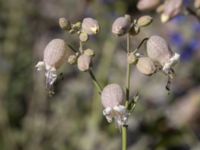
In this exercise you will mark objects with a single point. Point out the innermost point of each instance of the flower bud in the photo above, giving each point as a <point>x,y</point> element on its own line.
<point>121,26</point>
<point>197,4</point>
<point>83,37</point>
<point>144,21</point>
<point>55,53</point>
<point>64,24</point>
<point>146,5</point>
<point>112,95</point>
<point>72,59</point>
<point>90,26</point>
<point>146,66</point>
<point>84,62</point>
<point>131,58</point>
<point>89,52</point>
<point>171,9</point>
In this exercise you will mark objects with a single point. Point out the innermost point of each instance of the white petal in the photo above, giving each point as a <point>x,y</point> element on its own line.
<point>40,65</point>
<point>51,76</point>
<point>119,113</point>
<point>120,108</point>
<point>107,111</point>
<point>173,60</point>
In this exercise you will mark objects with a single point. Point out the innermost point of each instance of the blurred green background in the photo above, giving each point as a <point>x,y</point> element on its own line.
<point>72,119</point>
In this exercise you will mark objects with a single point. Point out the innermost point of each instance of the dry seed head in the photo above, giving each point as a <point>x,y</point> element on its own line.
<point>90,26</point>
<point>146,66</point>
<point>55,53</point>
<point>84,62</point>
<point>64,24</point>
<point>121,26</point>
<point>146,5</point>
<point>158,49</point>
<point>171,9</point>
<point>144,21</point>
<point>112,95</point>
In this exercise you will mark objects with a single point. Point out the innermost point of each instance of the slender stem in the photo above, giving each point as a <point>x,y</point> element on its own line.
<point>124,138</point>
<point>81,47</point>
<point>124,128</point>
<point>193,13</point>
<point>73,49</point>
<point>96,83</point>
<point>128,71</point>
<point>141,43</point>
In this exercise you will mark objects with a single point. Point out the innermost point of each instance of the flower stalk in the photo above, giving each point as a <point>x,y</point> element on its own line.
<point>128,78</point>
<point>95,81</point>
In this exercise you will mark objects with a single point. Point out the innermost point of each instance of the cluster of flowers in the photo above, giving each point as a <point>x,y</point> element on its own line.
<point>167,8</point>
<point>159,57</point>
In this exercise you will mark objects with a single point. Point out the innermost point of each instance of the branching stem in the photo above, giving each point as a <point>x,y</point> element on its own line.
<point>95,81</point>
<point>128,72</point>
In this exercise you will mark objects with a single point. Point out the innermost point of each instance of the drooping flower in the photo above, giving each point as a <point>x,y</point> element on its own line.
<point>54,57</point>
<point>159,51</point>
<point>112,98</point>
<point>90,26</point>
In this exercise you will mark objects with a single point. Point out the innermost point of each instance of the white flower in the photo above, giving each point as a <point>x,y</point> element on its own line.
<point>171,62</point>
<point>54,57</point>
<point>159,51</point>
<point>118,113</point>
<point>112,98</point>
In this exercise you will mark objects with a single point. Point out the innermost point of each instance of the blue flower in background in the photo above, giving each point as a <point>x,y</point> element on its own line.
<point>177,39</point>
<point>186,2</point>
<point>189,50</point>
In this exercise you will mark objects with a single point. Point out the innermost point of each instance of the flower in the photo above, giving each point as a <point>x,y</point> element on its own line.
<point>54,57</point>
<point>145,5</point>
<point>121,25</point>
<point>159,51</point>
<point>171,9</point>
<point>90,26</point>
<point>112,98</point>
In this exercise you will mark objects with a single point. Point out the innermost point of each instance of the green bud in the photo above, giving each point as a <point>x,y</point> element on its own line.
<point>72,59</point>
<point>131,58</point>
<point>64,24</point>
<point>89,52</point>
<point>144,21</point>
<point>83,37</point>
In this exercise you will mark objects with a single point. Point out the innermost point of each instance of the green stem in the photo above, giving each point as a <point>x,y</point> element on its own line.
<point>73,49</point>
<point>141,43</point>
<point>124,128</point>
<point>95,81</point>
<point>124,138</point>
<point>81,47</point>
